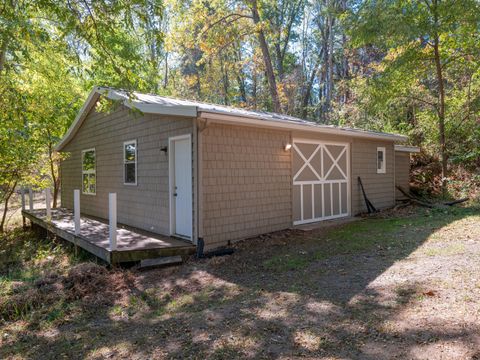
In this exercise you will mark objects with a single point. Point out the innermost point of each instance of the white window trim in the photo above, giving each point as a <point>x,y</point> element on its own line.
<point>383,169</point>
<point>131,162</point>
<point>94,171</point>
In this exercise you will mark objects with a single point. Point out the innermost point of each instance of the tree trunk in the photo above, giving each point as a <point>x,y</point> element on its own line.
<point>329,94</point>
<point>345,65</point>
<point>308,90</point>
<point>225,80</point>
<point>3,52</point>
<point>56,188</point>
<point>165,75</point>
<point>267,59</point>
<point>53,172</point>
<point>5,206</point>
<point>441,105</point>
<point>279,60</point>
<point>241,87</point>
<point>254,89</point>
<point>240,75</point>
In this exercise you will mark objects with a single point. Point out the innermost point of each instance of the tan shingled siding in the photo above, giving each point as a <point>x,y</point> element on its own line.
<point>246,175</point>
<point>402,172</point>
<point>247,180</point>
<point>146,205</point>
<point>379,187</point>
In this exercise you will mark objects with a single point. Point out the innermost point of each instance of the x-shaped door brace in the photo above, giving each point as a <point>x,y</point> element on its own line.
<point>307,161</point>
<point>335,162</point>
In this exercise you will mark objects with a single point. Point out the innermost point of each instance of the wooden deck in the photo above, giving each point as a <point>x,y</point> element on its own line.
<point>132,244</point>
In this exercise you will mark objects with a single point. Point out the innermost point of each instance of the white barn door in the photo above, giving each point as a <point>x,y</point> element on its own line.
<point>321,180</point>
<point>181,186</point>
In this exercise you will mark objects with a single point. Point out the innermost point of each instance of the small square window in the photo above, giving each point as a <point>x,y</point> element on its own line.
<point>381,162</point>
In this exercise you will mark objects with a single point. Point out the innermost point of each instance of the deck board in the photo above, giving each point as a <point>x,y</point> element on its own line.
<point>132,244</point>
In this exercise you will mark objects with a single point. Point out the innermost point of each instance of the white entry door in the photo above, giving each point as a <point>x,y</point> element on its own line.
<point>181,186</point>
<point>321,180</point>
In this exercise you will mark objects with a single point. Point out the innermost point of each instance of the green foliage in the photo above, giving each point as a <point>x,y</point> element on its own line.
<point>403,91</point>
<point>367,64</point>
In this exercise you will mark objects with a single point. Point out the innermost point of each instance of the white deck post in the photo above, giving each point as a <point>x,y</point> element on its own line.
<point>30,199</point>
<point>48,203</point>
<point>112,215</point>
<point>76,210</point>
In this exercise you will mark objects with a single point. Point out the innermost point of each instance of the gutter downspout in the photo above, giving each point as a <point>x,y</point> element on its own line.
<point>195,183</point>
<point>394,176</point>
<point>199,126</point>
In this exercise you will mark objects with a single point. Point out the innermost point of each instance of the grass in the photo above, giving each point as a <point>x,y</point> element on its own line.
<point>25,259</point>
<point>259,298</point>
<point>362,235</point>
<point>449,250</point>
<point>287,262</point>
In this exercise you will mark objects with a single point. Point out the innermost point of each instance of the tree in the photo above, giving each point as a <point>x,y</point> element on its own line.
<point>423,42</point>
<point>17,150</point>
<point>266,57</point>
<point>51,52</point>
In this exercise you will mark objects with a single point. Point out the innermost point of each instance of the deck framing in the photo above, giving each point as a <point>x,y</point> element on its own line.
<point>104,253</point>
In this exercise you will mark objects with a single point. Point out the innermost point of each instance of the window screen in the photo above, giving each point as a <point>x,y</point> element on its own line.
<point>89,176</point>
<point>130,162</point>
<point>381,169</point>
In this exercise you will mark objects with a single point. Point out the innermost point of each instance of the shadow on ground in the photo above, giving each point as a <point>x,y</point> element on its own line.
<point>368,290</point>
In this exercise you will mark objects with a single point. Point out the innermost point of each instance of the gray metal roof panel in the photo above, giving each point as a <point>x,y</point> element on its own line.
<point>153,99</point>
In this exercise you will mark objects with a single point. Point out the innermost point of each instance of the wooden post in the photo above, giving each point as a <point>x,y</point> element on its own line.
<point>22,191</point>
<point>76,210</point>
<point>48,206</point>
<point>30,199</point>
<point>112,215</point>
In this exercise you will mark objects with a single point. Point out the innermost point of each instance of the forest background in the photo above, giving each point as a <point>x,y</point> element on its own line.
<point>409,67</point>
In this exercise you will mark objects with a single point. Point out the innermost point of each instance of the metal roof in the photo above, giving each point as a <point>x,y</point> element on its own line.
<point>407,148</point>
<point>155,104</point>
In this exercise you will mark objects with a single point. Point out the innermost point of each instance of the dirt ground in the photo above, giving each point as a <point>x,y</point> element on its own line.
<point>403,285</point>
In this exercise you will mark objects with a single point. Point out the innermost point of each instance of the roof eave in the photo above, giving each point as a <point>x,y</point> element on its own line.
<point>160,109</point>
<point>172,110</point>
<point>258,121</point>
<point>407,148</point>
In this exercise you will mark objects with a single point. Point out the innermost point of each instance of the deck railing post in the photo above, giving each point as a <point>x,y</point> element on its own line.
<point>112,215</point>
<point>48,204</point>
<point>30,199</point>
<point>76,210</point>
<point>22,192</point>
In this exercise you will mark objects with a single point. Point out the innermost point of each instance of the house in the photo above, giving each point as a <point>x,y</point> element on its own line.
<point>200,171</point>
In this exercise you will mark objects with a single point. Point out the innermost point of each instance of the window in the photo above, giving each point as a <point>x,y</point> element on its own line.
<point>130,162</point>
<point>89,177</point>
<point>381,168</point>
